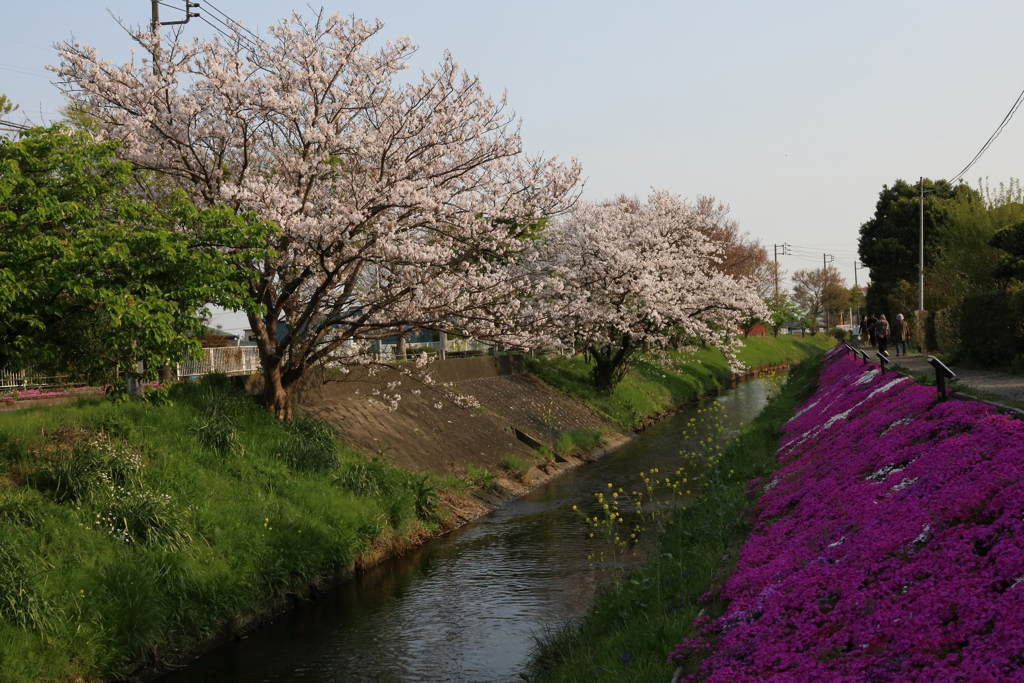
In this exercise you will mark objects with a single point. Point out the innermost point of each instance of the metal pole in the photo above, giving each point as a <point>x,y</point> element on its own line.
<point>776,271</point>
<point>920,256</point>
<point>155,24</point>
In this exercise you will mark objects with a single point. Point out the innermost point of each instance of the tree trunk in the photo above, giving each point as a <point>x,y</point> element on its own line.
<point>400,350</point>
<point>276,398</point>
<point>610,364</point>
<point>604,375</point>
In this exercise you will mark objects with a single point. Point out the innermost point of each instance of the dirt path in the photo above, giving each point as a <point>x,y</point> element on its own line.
<point>999,383</point>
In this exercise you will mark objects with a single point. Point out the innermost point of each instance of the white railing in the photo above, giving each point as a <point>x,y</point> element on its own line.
<point>438,348</point>
<point>228,360</point>
<point>29,379</point>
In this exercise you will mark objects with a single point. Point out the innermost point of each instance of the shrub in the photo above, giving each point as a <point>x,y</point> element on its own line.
<point>838,334</point>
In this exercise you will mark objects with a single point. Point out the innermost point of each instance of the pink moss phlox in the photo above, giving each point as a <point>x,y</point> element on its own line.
<point>888,547</point>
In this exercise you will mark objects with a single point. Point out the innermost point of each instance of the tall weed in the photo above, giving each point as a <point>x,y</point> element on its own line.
<point>311,445</point>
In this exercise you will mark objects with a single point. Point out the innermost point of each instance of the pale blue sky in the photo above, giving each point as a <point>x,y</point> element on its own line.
<point>794,113</point>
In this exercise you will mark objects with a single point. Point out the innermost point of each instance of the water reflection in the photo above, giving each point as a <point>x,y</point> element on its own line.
<point>465,607</point>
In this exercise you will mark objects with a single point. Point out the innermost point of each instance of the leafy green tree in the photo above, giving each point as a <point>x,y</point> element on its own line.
<point>92,279</point>
<point>889,241</point>
<point>1010,242</point>
<point>780,311</point>
<point>6,106</point>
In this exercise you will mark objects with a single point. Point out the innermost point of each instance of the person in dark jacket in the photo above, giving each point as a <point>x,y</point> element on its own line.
<point>872,323</point>
<point>882,335</point>
<point>900,333</point>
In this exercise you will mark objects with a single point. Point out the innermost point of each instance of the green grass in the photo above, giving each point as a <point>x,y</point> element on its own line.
<point>514,465</point>
<point>651,387</point>
<point>638,619</point>
<point>129,532</point>
<point>480,476</point>
<point>576,441</point>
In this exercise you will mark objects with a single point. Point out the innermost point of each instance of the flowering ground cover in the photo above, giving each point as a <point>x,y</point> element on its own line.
<point>889,546</point>
<point>23,394</point>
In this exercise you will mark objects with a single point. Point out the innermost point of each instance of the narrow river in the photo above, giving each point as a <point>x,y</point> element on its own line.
<point>465,607</point>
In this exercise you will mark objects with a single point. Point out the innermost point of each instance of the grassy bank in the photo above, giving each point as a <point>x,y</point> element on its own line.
<point>638,618</point>
<point>653,387</point>
<point>130,531</point>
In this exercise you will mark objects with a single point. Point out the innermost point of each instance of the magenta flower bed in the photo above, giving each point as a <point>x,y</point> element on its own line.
<point>888,547</point>
<point>23,394</point>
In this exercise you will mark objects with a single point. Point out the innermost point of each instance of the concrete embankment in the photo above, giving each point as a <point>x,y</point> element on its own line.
<point>429,433</point>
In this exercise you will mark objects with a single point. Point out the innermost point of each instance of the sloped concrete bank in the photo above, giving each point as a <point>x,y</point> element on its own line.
<point>517,413</point>
<point>426,432</point>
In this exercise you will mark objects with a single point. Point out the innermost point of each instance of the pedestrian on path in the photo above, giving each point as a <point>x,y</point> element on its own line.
<point>882,335</point>
<point>864,330</point>
<point>872,324</point>
<point>900,333</point>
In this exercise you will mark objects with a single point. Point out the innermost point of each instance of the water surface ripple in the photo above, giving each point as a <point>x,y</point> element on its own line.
<point>465,607</point>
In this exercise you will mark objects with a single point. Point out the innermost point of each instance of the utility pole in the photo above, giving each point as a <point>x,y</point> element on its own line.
<point>156,23</point>
<point>920,254</point>
<point>785,252</point>
<point>825,260</point>
<point>857,287</point>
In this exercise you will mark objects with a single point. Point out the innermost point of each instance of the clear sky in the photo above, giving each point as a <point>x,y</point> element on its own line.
<point>794,113</point>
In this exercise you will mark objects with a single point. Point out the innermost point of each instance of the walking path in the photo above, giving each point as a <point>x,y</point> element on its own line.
<point>1000,383</point>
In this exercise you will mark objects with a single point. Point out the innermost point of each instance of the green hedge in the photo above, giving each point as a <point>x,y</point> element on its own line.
<point>992,328</point>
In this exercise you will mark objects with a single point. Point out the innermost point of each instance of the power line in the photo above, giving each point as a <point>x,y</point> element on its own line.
<point>988,143</point>
<point>11,125</point>
<point>230,34</point>
<point>25,68</point>
<point>23,73</point>
<point>47,49</point>
<point>236,23</point>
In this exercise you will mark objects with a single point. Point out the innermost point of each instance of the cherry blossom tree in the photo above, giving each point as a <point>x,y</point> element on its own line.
<point>627,275</point>
<point>400,203</point>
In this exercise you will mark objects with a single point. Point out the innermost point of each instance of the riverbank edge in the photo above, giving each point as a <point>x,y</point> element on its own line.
<point>572,653</point>
<point>478,502</point>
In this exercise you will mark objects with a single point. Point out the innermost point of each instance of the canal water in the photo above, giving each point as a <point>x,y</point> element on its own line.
<point>465,607</point>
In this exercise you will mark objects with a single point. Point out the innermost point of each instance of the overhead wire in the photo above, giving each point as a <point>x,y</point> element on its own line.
<point>224,14</point>
<point>37,47</point>
<point>991,139</point>
<point>19,70</point>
